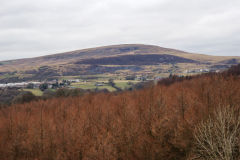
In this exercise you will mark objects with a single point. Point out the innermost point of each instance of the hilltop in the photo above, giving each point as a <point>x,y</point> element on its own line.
<point>120,60</point>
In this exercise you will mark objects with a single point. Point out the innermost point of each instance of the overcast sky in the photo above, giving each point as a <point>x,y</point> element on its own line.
<point>30,28</point>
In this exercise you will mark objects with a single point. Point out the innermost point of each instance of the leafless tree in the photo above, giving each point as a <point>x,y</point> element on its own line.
<point>218,137</point>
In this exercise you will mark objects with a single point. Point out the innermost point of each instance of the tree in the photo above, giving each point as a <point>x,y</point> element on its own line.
<point>43,86</point>
<point>48,94</point>
<point>24,97</point>
<point>130,77</point>
<point>62,92</point>
<point>218,137</point>
<point>30,86</point>
<point>111,82</point>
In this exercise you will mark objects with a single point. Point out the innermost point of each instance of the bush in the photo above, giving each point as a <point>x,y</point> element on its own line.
<point>111,82</point>
<point>24,97</point>
<point>7,95</point>
<point>48,94</point>
<point>130,77</point>
<point>43,86</point>
<point>63,92</point>
<point>30,86</point>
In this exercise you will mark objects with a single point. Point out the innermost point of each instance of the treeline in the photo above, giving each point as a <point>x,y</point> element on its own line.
<point>9,96</point>
<point>14,95</point>
<point>169,122</point>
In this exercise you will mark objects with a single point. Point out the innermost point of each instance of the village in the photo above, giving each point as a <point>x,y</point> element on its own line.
<point>110,83</point>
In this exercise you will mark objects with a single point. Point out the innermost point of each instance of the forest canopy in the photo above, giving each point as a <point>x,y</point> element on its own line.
<point>156,122</point>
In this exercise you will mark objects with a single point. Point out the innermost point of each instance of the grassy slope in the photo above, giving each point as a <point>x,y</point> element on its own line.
<point>70,57</point>
<point>63,65</point>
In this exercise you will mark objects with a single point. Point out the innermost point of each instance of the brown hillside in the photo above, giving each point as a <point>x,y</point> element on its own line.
<point>100,52</point>
<point>114,60</point>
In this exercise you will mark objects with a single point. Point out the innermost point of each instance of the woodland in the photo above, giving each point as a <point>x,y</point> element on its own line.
<point>180,118</point>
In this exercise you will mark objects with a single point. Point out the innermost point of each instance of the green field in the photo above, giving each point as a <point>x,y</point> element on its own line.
<point>91,85</point>
<point>82,85</point>
<point>109,88</point>
<point>123,84</point>
<point>36,92</point>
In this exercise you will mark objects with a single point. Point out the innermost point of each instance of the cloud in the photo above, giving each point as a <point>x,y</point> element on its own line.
<point>30,28</point>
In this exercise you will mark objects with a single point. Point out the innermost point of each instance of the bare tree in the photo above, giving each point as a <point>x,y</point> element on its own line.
<point>218,137</point>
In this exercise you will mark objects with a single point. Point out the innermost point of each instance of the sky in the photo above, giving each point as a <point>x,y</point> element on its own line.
<point>31,28</point>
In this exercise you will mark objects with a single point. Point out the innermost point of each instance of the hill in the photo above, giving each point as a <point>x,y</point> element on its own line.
<point>118,60</point>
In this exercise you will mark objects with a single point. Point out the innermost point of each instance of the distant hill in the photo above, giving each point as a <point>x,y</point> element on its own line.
<point>146,59</point>
<point>110,59</point>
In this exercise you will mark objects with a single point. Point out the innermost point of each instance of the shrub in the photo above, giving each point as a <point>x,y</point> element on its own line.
<point>43,86</point>
<point>30,86</point>
<point>24,97</point>
<point>48,94</point>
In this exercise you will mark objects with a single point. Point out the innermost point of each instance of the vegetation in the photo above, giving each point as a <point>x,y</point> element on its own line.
<point>36,92</point>
<point>30,86</point>
<point>43,86</point>
<point>149,59</point>
<point>167,121</point>
<point>7,95</point>
<point>110,84</point>
<point>24,97</point>
<point>218,137</point>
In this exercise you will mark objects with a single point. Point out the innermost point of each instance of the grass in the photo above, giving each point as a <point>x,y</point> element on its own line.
<point>7,75</point>
<point>36,92</point>
<point>123,84</point>
<point>109,88</point>
<point>83,85</point>
<point>92,86</point>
